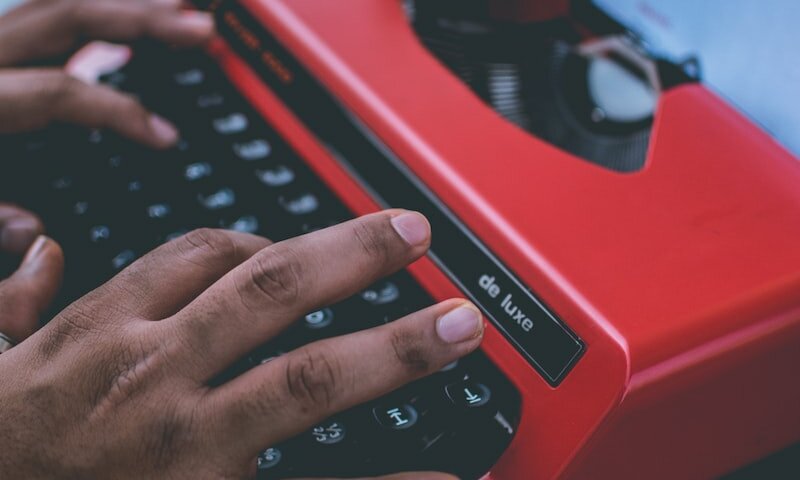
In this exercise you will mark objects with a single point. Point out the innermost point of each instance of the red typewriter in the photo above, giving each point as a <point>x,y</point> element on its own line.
<point>635,253</point>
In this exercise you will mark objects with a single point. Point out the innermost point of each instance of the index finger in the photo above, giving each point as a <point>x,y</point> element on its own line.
<point>43,30</point>
<point>127,20</point>
<point>279,399</point>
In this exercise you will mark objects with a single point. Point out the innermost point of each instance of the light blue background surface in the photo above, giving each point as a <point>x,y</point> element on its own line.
<point>6,4</point>
<point>749,51</point>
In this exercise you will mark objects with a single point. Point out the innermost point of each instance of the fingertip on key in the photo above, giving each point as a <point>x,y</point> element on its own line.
<point>44,257</point>
<point>18,234</point>
<point>35,250</point>
<point>167,3</point>
<point>164,131</point>
<point>200,24</point>
<point>412,227</point>
<point>461,324</point>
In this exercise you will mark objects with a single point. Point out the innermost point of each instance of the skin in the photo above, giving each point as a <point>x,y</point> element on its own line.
<point>118,384</point>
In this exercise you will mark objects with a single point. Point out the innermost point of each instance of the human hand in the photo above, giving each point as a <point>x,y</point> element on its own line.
<point>44,30</point>
<point>118,384</point>
<point>27,293</point>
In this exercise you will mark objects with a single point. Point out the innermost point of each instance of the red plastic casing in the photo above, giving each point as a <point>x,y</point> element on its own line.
<point>683,278</point>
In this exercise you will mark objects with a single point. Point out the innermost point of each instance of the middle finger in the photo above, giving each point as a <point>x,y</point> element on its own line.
<point>261,297</point>
<point>168,278</point>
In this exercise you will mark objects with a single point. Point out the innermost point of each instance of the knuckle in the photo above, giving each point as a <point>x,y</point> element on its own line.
<point>206,242</point>
<point>129,105</point>
<point>78,15</point>
<point>312,379</point>
<point>74,323</point>
<point>57,86</point>
<point>133,370</point>
<point>99,309</point>
<point>408,347</point>
<point>120,110</point>
<point>374,241</point>
<point>69,327</point>
<point>276,273</point>
<point>126,374</point>
<point>127,364</point>
<point>169,432</point>
<point>71,13</point>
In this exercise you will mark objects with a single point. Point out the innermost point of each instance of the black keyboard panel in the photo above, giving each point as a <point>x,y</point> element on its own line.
<point>109,201</point>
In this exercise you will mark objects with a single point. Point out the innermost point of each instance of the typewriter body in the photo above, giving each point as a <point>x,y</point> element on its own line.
<point>645,315</point>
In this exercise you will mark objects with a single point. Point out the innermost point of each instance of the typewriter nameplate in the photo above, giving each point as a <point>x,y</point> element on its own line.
<point>543,339</point>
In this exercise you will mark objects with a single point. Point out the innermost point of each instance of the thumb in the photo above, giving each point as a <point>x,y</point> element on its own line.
<point>18,229</point>
<point>28,292</point>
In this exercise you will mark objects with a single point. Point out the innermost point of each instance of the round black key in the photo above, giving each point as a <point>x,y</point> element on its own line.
<point>468,394</point>
<point>269,458</point>
<point>329,433</point>
<point>197,171</point>
<point>190,78</point>
<point>231,124</point>
<point>99,234</point>
<point>210,100</point>
<point>381,293</point>
<point>244,223</point>
<point>123,259</point>
<point>218,200</point>
<point>252,150</point>
<point>319,319</point>
<point>396,417</point>
<point>301,204</point>
<point>276,176</point>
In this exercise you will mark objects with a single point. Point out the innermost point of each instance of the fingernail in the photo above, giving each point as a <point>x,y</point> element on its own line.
<point>164,130</point>
<point>413,227</point>
<point>200,23</point>
<point>35,250</point>
<point>460,324</point>
<point>167,3</point>
<point>18,233</point>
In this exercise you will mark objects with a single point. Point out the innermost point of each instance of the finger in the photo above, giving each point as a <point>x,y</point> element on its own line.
<point>163,20</point>
<point>264,295</point>
<point>18,229</point>
<point>168,278</point>
<point>33,98</point>
<point>402,476</point>
<point>40,30</point>
<point>288,395</point>
<point>29,291</point>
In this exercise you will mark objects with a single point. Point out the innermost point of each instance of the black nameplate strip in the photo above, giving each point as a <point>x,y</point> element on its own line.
<point>550,346</point>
